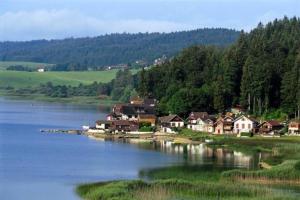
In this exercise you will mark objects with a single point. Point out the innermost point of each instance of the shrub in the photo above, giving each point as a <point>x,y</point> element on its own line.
<point>246,134</point>
<point>146,129</point>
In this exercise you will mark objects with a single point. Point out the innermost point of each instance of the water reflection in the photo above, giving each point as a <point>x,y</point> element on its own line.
<point>200,154</point>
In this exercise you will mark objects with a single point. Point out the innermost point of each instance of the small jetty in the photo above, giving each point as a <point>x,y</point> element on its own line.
<point>73,131</point>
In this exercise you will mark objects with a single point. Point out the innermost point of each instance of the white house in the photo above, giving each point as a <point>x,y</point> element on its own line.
<point>41,70</point>
<point>244,124</point>
<point>103,125</point>
<point>168,123</point>
<point>196,121</point>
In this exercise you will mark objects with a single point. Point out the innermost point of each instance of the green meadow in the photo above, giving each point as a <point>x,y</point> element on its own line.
<point>20,79</point>
<point>32,65</point>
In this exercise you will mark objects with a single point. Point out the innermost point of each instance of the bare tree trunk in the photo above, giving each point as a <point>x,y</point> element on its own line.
<point>249,102</point>
<point>254,105</point>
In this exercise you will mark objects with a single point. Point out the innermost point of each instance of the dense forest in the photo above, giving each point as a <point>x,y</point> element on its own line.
<point>261,72</point>
<point>83,53</point>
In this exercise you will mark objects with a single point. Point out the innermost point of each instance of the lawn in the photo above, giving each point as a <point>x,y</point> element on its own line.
<point>18,79</point>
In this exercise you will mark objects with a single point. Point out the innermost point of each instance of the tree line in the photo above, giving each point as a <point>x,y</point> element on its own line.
<point>261,72</point>
<point>96,52</point>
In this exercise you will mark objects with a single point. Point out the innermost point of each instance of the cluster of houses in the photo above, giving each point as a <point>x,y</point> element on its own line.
<point>127,118</point>
<point>230,123</point>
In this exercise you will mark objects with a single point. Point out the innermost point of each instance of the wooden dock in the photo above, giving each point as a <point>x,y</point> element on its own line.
<point>73,131</point>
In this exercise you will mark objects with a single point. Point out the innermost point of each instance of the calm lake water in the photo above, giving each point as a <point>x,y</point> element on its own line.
<point>35,165</point>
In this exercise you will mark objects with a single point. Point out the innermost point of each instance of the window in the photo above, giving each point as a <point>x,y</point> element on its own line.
<point>249,126</point>
<point>237,125</point>
<point>243,126</point>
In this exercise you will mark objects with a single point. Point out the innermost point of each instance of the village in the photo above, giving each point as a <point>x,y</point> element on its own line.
<point>138,117</point>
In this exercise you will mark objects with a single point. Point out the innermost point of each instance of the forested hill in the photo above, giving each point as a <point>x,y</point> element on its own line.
<point>261,71</point>
<point>114,48</point>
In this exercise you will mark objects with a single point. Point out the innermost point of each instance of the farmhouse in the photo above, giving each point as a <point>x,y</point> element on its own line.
<point>244,124</point>
<point>168,123</point>
<point>270,127</point>
<point>131,111</point>
<point>196,121</point>
<point>294,127</point>
<point>151,119</point>
<point>123,126</point>
<point>224,125</point>
<point>103,125</point>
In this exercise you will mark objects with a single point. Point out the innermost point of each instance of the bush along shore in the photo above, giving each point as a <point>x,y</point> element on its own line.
<point>280,179</point>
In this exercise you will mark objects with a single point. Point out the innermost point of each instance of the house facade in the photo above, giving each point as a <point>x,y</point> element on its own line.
<point>294,127</point>
<point>270,127</point>
<point>224,125</point>
<point>244,124</point>
<point>168,123</point>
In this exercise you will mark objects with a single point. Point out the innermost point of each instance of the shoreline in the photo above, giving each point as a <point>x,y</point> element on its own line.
<point>77,100</point>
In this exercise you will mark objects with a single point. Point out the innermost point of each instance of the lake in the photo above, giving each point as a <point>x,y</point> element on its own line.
<point>35,165</point>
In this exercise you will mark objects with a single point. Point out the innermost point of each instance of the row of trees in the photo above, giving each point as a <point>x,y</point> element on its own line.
<point>261,71</point>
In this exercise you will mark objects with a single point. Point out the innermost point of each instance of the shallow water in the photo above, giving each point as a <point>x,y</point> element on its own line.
<point>35,165</point>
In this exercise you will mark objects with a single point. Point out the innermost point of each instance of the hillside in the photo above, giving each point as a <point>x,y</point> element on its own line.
<point>261,71</point>
<point>114,48</point>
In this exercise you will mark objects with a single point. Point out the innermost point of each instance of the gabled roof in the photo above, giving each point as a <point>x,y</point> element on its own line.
<point>168,119</point>
<point>273,123</point>
<point>249,118</point>
<point>223,118</point>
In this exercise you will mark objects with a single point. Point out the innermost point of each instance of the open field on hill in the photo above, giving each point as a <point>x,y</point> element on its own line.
<point>32,65</point>
<point>18,79</point>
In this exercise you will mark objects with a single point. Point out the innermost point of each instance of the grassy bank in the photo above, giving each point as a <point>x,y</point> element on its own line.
<point>281,181</point>
<point>178,189</point>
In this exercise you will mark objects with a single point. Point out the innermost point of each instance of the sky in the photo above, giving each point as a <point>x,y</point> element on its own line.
<point>22,20</point>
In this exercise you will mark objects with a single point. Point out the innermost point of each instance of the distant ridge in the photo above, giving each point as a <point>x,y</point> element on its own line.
<point>114,48</point>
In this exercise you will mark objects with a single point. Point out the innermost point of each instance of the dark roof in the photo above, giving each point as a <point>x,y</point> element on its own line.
<point>147,116</point>
<point>197,115</point>
<point>273,123</point>
<point>103,122</point>
<point>136,98</point>
<point>148,101</point>
<point>128,110</point>
<point>169,118</point>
